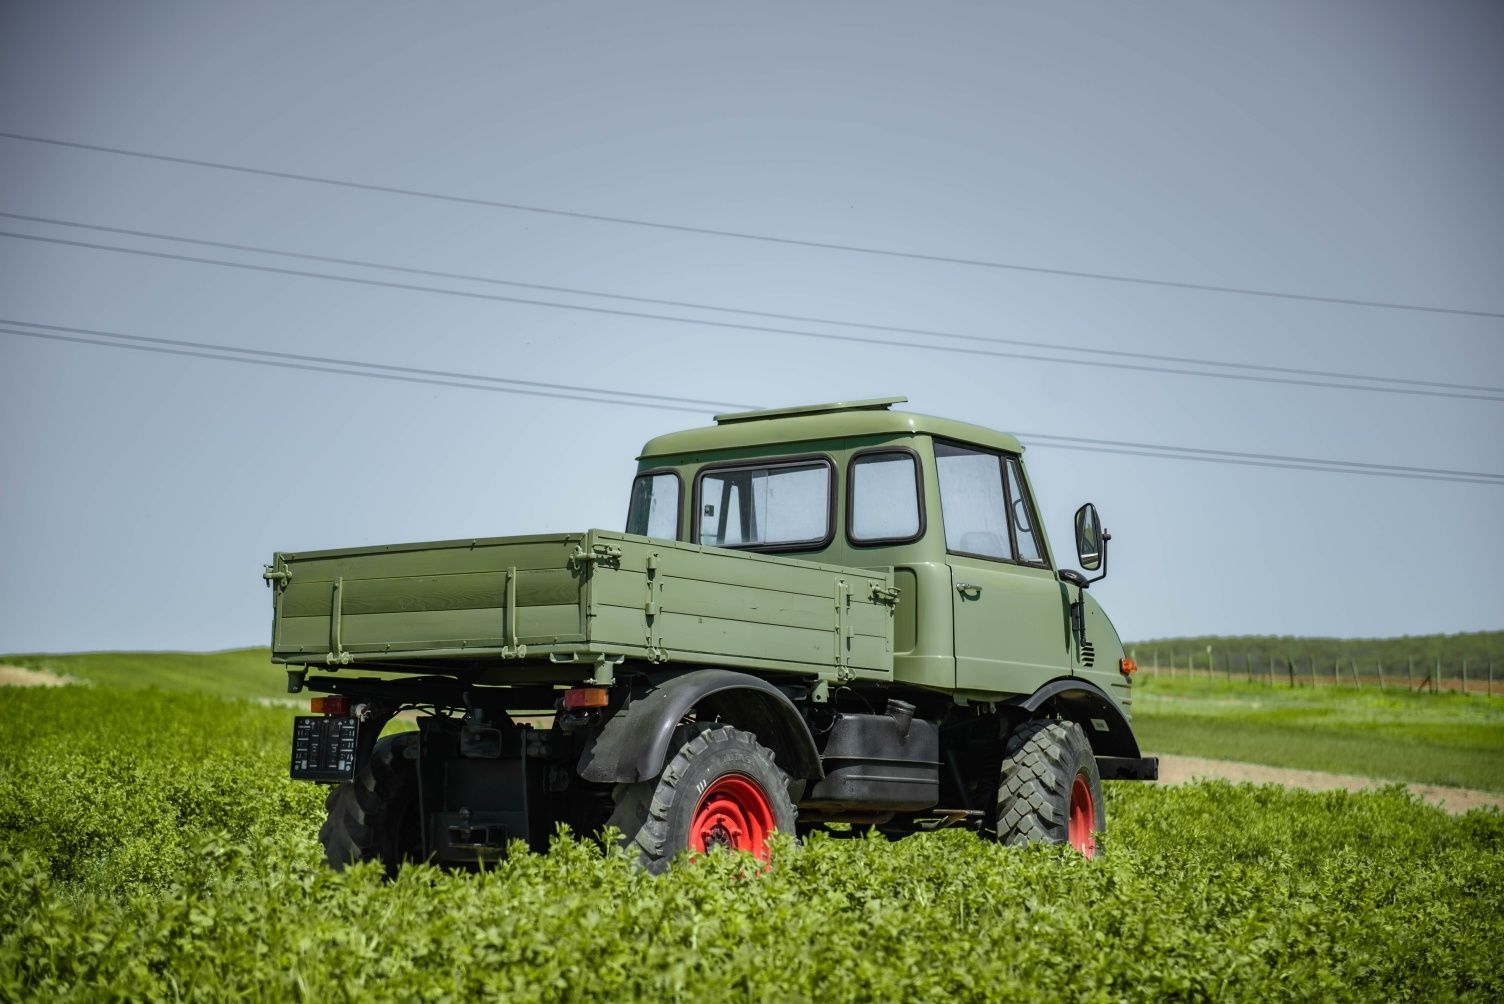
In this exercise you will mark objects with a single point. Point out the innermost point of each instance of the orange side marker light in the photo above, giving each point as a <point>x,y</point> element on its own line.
<point>587,697</point>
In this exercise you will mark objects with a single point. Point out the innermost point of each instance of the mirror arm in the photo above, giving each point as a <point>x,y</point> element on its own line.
<point>1105,538</point>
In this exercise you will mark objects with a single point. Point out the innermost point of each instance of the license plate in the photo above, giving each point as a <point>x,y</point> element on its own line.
<point>323,748</point>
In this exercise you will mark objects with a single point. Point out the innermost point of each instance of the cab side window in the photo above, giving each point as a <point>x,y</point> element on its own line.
<point>654,509</point>
<point>884,498</point>
<point>972,502</point>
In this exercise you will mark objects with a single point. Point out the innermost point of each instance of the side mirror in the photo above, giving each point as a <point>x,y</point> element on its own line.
<point>1089,537</point>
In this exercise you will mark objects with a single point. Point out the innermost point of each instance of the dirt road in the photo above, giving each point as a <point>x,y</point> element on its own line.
<point>1184,769</point>
<point>16,676</point>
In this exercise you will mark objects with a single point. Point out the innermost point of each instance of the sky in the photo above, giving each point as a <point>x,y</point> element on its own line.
<point>1341,150</point>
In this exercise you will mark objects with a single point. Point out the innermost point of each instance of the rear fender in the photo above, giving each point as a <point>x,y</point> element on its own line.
<point>634,743</point>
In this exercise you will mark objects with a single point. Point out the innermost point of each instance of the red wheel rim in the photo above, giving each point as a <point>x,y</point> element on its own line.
<point>1083,817</point>
<point>732,813</point>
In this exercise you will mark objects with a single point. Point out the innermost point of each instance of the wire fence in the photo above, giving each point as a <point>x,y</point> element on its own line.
<point>1475,676</point>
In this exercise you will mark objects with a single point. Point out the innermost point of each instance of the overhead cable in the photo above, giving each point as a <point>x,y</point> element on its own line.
<point>1435,385</point>
<point>474,381</point>
<point>738,326</point>
<point>748,236</point>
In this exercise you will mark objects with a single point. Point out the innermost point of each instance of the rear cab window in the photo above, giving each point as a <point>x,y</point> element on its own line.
<point>765,506</point>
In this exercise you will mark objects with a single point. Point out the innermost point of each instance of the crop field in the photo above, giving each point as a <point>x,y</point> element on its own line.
<point>1446,738</point>
<point>151,848</point>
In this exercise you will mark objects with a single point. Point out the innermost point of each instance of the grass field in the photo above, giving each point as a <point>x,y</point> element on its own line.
<point>152,848</point>
<point>1444,738</point>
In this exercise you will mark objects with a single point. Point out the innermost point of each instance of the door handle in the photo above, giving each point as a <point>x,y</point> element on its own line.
<point>967,587</point>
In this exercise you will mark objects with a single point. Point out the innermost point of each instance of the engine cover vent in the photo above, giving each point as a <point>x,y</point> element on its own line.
<point>1088,654</point>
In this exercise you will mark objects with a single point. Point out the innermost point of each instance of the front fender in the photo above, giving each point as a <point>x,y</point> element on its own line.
<point>633,744</point>
<point>1087,705</point>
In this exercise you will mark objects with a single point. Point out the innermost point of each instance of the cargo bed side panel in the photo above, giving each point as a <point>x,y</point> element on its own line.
<point>712,606</point>
<point>577,597</point>
<point>449,596</point>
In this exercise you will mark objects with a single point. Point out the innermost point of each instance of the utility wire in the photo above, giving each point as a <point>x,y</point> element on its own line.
<point>1257,463</point>
<point>743,235</point>
<point>737,326</point>
<point>254,357</point>
<point>1357,466</point>
<point>471,381</point>
<point>927,332</point>
<point>415,370</point>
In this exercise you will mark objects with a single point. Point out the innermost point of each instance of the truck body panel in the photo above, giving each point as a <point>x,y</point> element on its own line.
<point>533,603</point>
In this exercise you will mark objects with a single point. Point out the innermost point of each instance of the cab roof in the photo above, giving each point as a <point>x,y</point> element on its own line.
<point>809,423</point>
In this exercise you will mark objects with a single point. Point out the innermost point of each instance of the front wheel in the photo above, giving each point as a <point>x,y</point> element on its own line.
<point>720,789</point>
<point>1050,790</point>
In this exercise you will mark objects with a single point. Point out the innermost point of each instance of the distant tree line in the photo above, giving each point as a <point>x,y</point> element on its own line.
<point>1477,654</point>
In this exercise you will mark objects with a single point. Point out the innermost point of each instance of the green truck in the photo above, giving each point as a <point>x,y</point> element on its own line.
<point>833,614</point>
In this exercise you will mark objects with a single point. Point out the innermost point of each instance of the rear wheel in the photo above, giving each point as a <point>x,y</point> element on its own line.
<point>1050,791</point>
<point>720,789</point>
<point>375,817</point>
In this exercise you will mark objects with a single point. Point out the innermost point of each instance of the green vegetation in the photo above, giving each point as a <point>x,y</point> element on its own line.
<point>1445,738</point>
<point>240,672</point>
<point>150,848</point>
<point>1236,655</point>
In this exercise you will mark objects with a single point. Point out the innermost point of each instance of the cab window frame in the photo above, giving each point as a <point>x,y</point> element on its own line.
<point>809,460</point>
<point>678,497</point>
<point>1002,457</point>
<point>851,464</point>
<point>1036,529</point>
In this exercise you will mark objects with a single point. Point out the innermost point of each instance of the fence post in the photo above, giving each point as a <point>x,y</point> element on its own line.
<point>1381,674</point>
<point>1464,675</point>
<point>1436,680</point>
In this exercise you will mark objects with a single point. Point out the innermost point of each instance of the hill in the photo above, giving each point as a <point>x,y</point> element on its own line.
<point>241,672</point>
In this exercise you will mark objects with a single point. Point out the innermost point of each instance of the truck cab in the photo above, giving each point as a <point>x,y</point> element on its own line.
<point>983,612</point>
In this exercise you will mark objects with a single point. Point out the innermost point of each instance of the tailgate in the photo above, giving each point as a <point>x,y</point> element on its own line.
<point>456,598</point>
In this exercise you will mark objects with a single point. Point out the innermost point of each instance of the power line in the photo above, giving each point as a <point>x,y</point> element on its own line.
<point>575,291</point>
<point>414,370</point>
<point>737,326</point>
<point>1257,463</point>
<point>255,357</point>
<point>472,381</point>
<point>743,235</point>
<point>1357,467</point>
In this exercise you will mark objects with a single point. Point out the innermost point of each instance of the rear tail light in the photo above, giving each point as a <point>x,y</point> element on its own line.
<point>587,697</point>
<point>1127,667</point>
<point>335,704</point>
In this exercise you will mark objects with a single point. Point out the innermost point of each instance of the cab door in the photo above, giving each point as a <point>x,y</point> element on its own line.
<point>1009,612</point>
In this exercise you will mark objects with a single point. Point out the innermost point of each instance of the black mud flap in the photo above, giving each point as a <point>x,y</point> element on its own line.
<point>323,748</point>
<point>1126,768</point>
